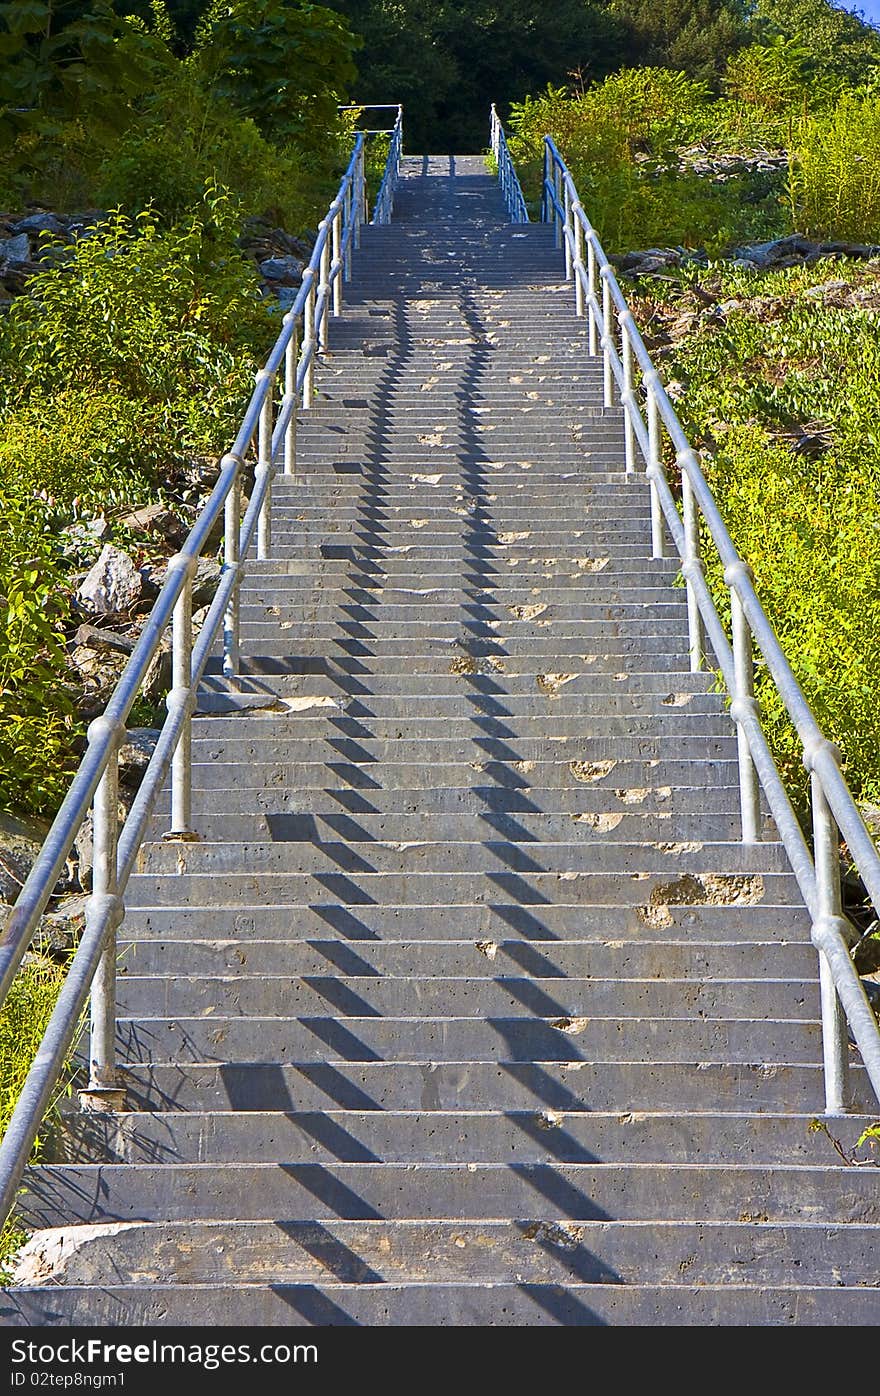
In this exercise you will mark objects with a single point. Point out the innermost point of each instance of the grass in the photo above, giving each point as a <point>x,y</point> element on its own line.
<point>23,1021</point>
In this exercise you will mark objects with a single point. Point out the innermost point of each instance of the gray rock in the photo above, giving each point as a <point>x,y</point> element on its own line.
<point>20,842</point>
<point>285,297</point>
<point>60,928</point>
<point>82,540</point>
<point>135,753</point>
<point>205,582</point>
<point>113,584</point>
<point>17,249</point>
<point>285,269</point>
<point>92,637</point>
<point>39,223</point>
<point>155,518</point>
<point>84,842</point>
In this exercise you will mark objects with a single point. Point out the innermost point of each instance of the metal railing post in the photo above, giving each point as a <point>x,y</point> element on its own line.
<point>103,1077</point>
<point>346,213</point>
<point>578,261</point>
<point>358,195</point>
<point>291,355</point>
<point>606,340</point>
<point>544,180</point>
<point>179,699</point>
<point>309,345</point>
<point>655,467</point>
<point>826,852</point>
<point>629,407</point>
<point>568,231</point>
<point>265,467</point>
<point>557,216</point>
<point>231,541</point>
<point>744,705</point>
<point>591,290</point>
<point>336,265</point>
<point>692,563</point>
<point>324,287</point>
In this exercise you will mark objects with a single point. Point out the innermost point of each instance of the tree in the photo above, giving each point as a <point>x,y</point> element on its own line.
<point>696,37</point>
<point>841,45</point>
<point>446,60</point>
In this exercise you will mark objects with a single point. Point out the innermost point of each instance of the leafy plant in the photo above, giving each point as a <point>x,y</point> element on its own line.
<point>36,720</point>
<point>835,175</point>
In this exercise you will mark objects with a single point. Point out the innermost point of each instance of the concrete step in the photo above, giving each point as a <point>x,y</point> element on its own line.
<point>592,857</point>
<point>618,961</point>
<point>528,805</point>
<point>377,1251</point>
<point>502,1084</point>
<point>520,1136</point>
<point>251,992</point>
<point>352,887</point>
<point>61,1194</point>
<point>275,1039</point>
<point>444,1305</point>
<point>514,773</point>
<point>701,919</point>
<point>332,721</point>
<point>365,829</point>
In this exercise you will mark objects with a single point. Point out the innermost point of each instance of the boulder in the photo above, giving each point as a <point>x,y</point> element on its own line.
<point>113,585</point>
<point>42,222</point>
<point>285,269</point>
<point>205,582</point>
<point>135,753</point>
<point>60,928</point>
<point>20,842</point>
<point>155,519</point>
<point>17,249</point>
<point>82,540</point>
<point>84,842</point>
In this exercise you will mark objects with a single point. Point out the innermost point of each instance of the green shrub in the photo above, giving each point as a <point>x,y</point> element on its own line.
<point>36,720</point>
<point>167,320</point>
<point>779,362</point>
<point>79,443</point>
<point>23,1020</point>
<point>835,178</point>
<point>621,139</point>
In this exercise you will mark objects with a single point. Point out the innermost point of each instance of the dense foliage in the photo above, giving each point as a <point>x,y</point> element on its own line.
<point>781,380</point>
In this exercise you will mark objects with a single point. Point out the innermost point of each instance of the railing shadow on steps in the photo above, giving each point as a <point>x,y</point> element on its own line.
<point>648,413</point>
<point>268,429</point>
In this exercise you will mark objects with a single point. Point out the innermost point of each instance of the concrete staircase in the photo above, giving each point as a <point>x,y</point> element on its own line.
<point>468,1008</point>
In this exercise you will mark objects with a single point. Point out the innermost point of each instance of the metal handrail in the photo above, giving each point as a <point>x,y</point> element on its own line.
<point>648,412</point>
<point>507,175</point>
<point>269,427</point>
<point>384,204</point>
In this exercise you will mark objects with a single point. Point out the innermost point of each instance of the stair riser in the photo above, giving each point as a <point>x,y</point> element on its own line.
<point>496,920</point>
<point>377,1251</point>
<point>432,1137</point>
<point>59,1194</point>
<point>662,961</point>
<point>499,1085</point>
<point>518,828</point>
<point>522,1039</point>
<point>454,1306</point>
<point>249,994</point>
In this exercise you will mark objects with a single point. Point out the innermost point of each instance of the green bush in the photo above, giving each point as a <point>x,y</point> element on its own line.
<point>36,720</point>
<point>167,318</point>
<point>835,177</point>
<point>23,1020</point>
<point>79,444</point>
<point>779,363</point>
<point>621,140</point>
